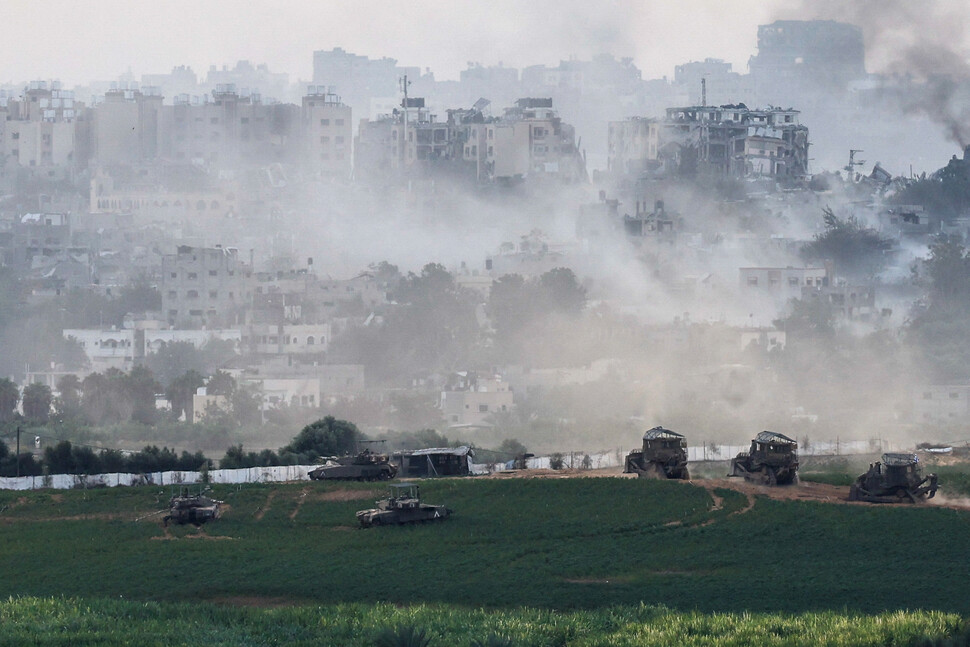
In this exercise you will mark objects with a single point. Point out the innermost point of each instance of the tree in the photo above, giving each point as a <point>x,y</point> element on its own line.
<point>245,404</point>
<point>9,397</point>
<point>809,319</point>
<point>221,383</point>
<point>68,402</point>
<point>180,392</point>
<point>948,267</point>
<point>856,250</point>
<point>59,459</point>
<point>175,359</point>
<point>141,387</point>
<point>940,329</point>
<point>327,437</point>
<point>37,400</point>
<point>511,303</point>
<point>559,291</point>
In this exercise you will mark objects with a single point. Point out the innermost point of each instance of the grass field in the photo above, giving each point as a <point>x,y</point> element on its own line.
<point>32,621</point>
<point>519,553</point>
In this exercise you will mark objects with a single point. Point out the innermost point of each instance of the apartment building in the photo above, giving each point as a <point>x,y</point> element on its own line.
<point>205,287</point>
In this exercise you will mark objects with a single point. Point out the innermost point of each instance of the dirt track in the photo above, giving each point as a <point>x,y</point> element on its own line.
<point>803,491</point>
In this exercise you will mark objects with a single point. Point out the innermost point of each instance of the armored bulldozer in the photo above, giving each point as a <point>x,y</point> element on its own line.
<point>772,460</point>
<point>363,466</point>
<point>195,509</point>
<point>403,505</point>
<point>897,479</point>
<point>663,456</point>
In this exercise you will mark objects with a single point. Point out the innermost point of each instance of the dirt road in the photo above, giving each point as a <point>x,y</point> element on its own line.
<point>803,491</point>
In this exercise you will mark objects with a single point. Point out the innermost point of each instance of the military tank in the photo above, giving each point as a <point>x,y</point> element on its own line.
<point>898,478</point>
<point>195,509</point>
<point>663,456</point>
<point>772,460</point>
<point>402,506</point>
<point>363,466</point>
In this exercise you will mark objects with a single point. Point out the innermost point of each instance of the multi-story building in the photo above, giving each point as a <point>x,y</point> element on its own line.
<point>784,281</point>
<point>550,143</point>
<point>229,130</point>
<point>327,132</point>
<point>802,56</point>
<point>358,78</point>
<point>711,82</point>
<point>633,145</point>
<point>941,404</point>
<point>152,200</point>
<point>44,130</point>
<point>205,286</point>
<point>125,126</point>
<point>470,399</point>
<point>730,140</point>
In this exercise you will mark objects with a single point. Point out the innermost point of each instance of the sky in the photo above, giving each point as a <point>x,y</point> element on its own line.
<point>98,40</point>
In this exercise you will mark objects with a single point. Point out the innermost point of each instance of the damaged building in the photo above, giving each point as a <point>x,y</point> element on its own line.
<point>729,140</point>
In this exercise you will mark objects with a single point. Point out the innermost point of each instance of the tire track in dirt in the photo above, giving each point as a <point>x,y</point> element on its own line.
<point>263,509</point>
<point>299,504</point>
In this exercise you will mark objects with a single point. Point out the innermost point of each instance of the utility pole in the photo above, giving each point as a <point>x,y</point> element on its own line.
<point>18,452</point>
<point>404,148</point>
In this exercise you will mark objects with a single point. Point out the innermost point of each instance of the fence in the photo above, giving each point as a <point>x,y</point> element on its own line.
<point>284,473</point>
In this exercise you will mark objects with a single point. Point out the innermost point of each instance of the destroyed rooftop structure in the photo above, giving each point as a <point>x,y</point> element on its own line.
<point>729,140</point>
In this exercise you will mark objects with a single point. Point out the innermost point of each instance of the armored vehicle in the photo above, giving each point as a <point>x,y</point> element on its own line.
<point>772,460</point>
<point>195,509</point>
<point>402,506</point>
<point>664,456</point>
<point>364,466</point>
<point>897,479</point>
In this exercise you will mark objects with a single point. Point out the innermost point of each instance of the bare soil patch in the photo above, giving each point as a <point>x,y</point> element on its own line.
<point>263,509</point>
<point>299,504</point>
<point>343,495</point>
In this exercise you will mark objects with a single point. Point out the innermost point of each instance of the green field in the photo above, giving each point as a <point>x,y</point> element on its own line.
<point>614,560</point>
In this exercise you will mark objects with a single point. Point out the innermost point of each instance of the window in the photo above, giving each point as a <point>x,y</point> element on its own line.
<point>193,275</point>
<point>483,408</point>
<point>192,294</point>
<point>195,313</point>
<point>753,280</point>
<point>324,139</point>
<point>244,120</point>
<point>340,122</point>
<point>174,275</point>
<point>213,294</point>
<point>954,395</point>
<point>793,281</point>
<point>310,341</point>
<point>172,294</point>
<point>213,272</point>
<point>324,122</point>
